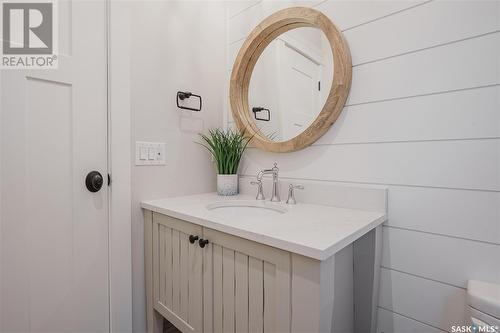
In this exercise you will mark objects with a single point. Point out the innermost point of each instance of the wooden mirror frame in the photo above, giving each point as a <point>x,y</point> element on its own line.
<point>271,27</point>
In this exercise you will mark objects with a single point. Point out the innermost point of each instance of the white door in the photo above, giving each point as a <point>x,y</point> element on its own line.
<point>300,91</point>
<point>54,235</point>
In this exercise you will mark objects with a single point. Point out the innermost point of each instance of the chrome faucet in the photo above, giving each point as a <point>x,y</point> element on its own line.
<point>291,194</point>
<point>260,192</point>
<point>275,196</point>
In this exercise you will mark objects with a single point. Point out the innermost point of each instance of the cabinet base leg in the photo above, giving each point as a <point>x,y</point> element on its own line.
<point>155,322</point>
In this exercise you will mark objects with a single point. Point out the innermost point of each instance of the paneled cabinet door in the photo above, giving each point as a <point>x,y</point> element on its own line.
<point>246,285</point>
<point>177,272</point>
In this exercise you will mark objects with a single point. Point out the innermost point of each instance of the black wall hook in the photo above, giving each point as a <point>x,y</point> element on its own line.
<point>182,95</point>
<point>257,109</point>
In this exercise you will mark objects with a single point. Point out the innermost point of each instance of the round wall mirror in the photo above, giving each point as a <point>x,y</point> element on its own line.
<point>290,83</point>
<point>290,80</point>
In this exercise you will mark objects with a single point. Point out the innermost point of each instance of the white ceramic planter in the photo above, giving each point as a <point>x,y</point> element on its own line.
<point>227,184</point>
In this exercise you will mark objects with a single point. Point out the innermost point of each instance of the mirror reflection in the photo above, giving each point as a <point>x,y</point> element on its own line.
<point>290,83</point>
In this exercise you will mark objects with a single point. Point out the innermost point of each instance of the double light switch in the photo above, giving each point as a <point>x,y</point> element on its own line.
<point>149,153</point>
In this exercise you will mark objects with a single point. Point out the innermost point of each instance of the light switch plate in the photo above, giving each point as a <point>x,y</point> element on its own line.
<point>149,153</point>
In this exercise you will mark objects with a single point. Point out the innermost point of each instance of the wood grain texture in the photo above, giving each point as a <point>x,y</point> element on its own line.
<point>271,27</point>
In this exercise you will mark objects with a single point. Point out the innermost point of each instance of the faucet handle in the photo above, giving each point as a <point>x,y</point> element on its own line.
<point>291,194</point>
<point>260,192</point>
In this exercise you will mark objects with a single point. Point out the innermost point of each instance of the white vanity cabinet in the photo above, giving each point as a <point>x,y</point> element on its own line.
<point>230,285</point>
<point>303,268</point>
<point>237,285</point>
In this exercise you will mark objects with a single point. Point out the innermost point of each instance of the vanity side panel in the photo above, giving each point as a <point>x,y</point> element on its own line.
<point>343,291</point>
<point>154,320</point>
<point>367,258</point>
<point>328,290</point>
<point>306,291</point>
<point>322,293</point>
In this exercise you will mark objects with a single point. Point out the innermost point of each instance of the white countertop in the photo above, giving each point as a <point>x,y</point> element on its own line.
<point>310,230</point>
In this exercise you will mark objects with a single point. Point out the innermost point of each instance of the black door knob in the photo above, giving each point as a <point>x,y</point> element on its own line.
<point>94,181</point>
<point>193,238</point>
<point>203,242</point>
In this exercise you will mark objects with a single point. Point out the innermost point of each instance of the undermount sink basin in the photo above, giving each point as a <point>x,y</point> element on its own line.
<point>247,207</point>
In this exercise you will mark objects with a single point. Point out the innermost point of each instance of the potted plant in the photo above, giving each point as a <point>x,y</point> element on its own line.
<point>226,148</point>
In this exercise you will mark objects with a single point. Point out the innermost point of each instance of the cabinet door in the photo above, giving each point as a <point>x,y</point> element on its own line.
<point>246,285</point>
<point>177,272</point>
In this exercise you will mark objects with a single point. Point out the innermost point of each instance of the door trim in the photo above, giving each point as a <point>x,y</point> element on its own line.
<point>119,166</point>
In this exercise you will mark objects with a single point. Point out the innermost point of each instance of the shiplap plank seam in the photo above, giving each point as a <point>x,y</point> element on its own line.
<point>402,141</point>
<point>441,235</point>
<point>410,318</point>
<point>388,15</point>
<point>396,141</point>
<point>245,9</point>
<point>447,303</point>
<point>426,94</point>
<point>343,30</point>
<point>422,277</point>
<point>425,48</point>
<point>433,93</point>
<point>380,184</point>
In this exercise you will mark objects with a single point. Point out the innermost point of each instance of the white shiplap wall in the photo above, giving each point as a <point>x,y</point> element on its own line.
<point>423,118</point>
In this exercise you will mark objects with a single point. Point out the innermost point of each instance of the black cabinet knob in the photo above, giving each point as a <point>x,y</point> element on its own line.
<point>94,181</point>
<point>203,242</point>
<point>193,238</point>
